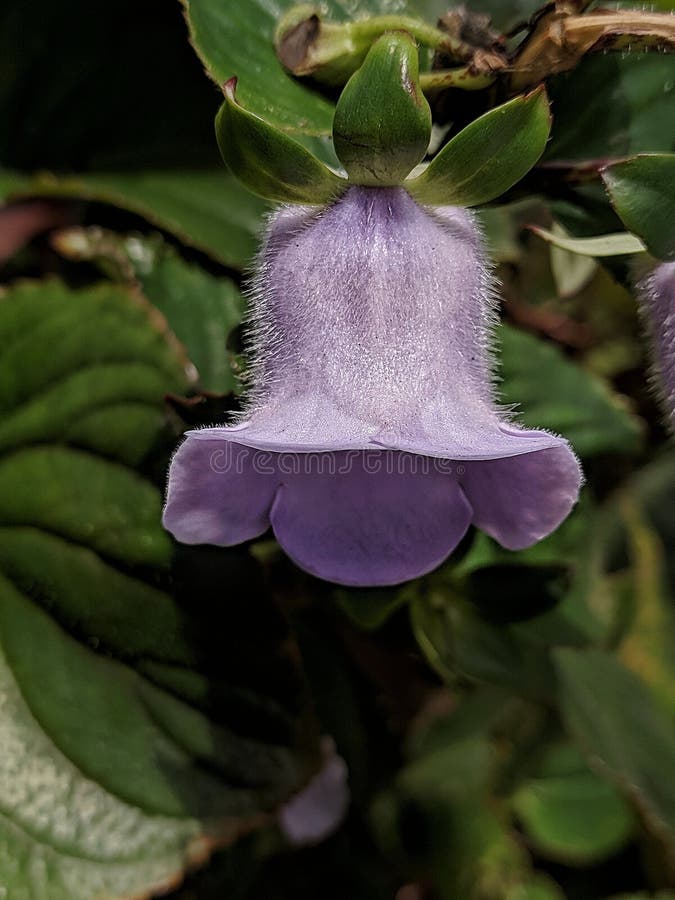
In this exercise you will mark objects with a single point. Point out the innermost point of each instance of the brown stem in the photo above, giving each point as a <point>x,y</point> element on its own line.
<point>572,7</point>
<point>558,40</point>
<point>550,323</point>
<point>465,78</point>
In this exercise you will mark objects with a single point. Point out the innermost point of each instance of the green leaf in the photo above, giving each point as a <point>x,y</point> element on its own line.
<point>505,14</point>
<point>206,209</point>
<point>47,395</point>
<point>489,156</point>
<point>149,706</point>
<point>538,888</point>
<point>622,731</point>
<point>57,822</point>
<point>488,629</point>
<point>238,39</point>
<point>502,232</point>
<point>201,310</point>
<point>552,392</point>
<point>571,815</point>
<point>659,895</point>
<point>642,191</point>
<point>604,245</point>
<point>571,272</point>
<point>627,108</point>
<point>648,646</point>
<point>12,183</point>
<point>650,494</point>
<point>636,539</point>
<point>382,123</point>
<point>494,616</point>
<point>477,712</point>
<point>440,817</point>
<point>267,161</point>
<point>370,608</point>
<point>459,643</point>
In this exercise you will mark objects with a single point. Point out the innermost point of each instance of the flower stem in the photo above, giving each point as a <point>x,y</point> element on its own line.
<point>425,34</point>
<point>465,78</point>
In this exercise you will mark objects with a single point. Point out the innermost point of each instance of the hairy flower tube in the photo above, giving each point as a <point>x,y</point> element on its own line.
<point>371,440</point>
<point>658,305</point>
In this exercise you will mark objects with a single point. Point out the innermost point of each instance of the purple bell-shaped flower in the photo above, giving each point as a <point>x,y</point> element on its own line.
<point>371,439</point>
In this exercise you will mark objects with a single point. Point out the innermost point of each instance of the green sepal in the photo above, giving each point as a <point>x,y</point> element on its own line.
<point>642,191</point>
<point>382,123</point>
<point>487,157</point>
<point>268,161</point>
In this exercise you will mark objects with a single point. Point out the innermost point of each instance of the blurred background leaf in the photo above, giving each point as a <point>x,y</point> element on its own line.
<point>170,733</point>
<point>206,208</point>
<point>569,813</point>
<point>627,108</point>
<point>563,397</point>
<point>624,734</point>
<point>201,309</point>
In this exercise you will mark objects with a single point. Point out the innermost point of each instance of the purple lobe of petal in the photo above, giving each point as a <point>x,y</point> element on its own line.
<point>216,495</point>
<point>519,500</point>
<point>381,522</point>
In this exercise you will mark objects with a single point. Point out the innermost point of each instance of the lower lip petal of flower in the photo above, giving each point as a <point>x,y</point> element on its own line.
<point>371,439</point>
<point>518,500</point>
<point>383,518</point>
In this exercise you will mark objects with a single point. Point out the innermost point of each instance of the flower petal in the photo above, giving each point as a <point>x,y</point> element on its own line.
<point>521,499</point>
<point>379,518</point>
<point>319,809</point>
<point>219,493</point>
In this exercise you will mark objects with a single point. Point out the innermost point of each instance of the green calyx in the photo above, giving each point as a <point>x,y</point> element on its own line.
<point>381,132</point>
<point>268,161</point>
<point>489,156</point>
<point>382,122</point>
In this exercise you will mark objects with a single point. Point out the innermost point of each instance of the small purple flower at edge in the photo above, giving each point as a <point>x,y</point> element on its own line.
<point>318,810</point>
<point>371,439</point>
<point>657,295</point>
